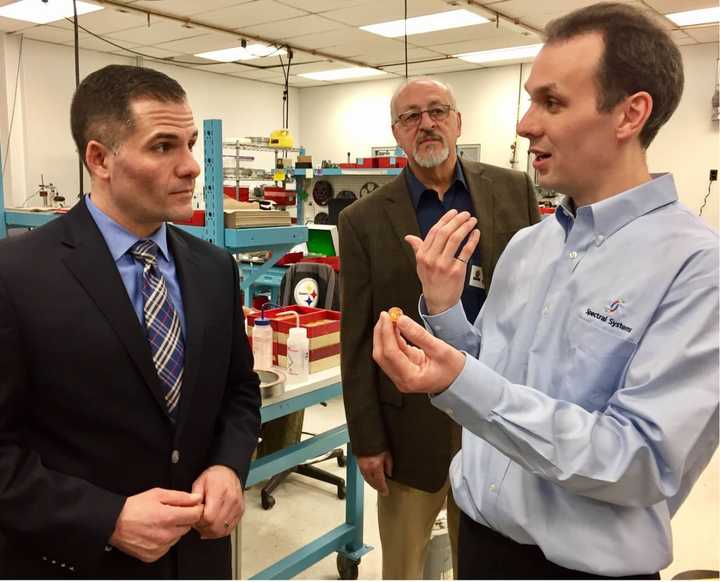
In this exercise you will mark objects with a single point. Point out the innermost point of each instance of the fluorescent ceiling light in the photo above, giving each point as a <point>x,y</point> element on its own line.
<point>41,12</point>
<point>336,74</point>
<point>690,17</point>
<point>429,23</point>
<point>503,54</point>
<point>251,51</point>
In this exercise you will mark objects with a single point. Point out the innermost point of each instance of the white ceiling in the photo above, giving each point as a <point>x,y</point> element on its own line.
<point>174,30</point>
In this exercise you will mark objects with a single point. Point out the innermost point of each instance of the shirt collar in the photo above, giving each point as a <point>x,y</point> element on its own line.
<point>119,240</point>
<point>417,188</point>
<point>610,215</point>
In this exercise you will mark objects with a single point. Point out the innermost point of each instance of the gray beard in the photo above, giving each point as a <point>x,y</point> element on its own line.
<point>432,159</point>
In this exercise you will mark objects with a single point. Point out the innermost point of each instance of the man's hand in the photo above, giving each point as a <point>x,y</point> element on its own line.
<point>440,267</point>
<point>151,522</point>
<point>224,501</point>
<point>429,365</point>
<point>374,468</point>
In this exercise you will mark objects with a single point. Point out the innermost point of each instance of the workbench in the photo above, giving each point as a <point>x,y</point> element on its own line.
<point>345,539</point>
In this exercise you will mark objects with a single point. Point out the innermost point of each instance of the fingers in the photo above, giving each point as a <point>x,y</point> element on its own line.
<point>178,498</point>
<point>373,471</point>
<point>469,247</point>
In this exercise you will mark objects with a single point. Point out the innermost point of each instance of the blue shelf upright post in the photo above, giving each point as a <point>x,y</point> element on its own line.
<point>214,231</point>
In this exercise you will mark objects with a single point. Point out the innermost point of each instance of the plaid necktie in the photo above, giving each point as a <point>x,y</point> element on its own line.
<point>162,324</point>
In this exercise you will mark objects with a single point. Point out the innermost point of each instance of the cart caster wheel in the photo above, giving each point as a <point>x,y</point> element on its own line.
<point>267,501</point>
<point>347,568</point>
<point>341,492</point>
<point>341,461</point>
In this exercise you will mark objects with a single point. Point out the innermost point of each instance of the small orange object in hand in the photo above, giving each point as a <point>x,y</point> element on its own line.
<point>395,313</point>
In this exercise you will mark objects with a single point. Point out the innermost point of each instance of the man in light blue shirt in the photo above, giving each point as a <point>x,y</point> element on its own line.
<point>588,386</point>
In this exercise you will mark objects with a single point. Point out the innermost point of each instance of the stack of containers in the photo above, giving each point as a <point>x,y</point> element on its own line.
<point>323,333</point>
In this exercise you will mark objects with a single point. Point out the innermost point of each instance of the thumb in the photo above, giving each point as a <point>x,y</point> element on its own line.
<point>417,335</point>
<point>414,242</point>
<point>179,498</point>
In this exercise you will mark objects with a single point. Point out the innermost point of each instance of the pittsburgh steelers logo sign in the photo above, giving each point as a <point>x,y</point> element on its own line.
<point>306,292</point>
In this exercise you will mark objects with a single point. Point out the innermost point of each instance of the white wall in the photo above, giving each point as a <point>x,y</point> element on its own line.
<point>355,117</point>
<point>41,142</point>
<point>688,145</point>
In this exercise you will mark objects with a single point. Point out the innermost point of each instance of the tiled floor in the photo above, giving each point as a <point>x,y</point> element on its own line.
<point>306,509</point>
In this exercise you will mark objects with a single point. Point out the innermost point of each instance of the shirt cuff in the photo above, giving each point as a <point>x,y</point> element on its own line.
<point>449,325</point>
<point>473,395</point>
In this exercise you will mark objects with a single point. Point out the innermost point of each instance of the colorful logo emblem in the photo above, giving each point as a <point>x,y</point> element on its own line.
<point>615,305</point>
<point>306,292</point>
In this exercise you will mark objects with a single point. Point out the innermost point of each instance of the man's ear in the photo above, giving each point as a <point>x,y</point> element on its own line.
<point>633,112</point>
<point>459,118</point>
<point>98,159</point>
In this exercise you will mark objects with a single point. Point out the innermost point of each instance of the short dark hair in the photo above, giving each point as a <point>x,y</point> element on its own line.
<point>639,56</point>
<point>100,108</point>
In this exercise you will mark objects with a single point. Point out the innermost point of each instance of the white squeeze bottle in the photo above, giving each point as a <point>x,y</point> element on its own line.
<point>262,344</point>
<point>298,354</point>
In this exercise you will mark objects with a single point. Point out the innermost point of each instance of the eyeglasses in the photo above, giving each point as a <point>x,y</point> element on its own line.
<point>411,119</point>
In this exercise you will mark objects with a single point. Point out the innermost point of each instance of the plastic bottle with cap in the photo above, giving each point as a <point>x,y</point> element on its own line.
<point>298,351</point>
<point>262,343</point>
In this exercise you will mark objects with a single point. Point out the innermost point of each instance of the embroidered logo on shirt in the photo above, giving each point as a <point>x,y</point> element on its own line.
<point>609,320</point>
<point>615,305</point>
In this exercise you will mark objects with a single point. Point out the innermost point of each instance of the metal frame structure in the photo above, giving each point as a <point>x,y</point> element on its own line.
<point>346,539</point>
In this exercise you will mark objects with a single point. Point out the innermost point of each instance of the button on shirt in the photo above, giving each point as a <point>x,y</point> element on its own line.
<point>429,209</point>
<point>119,241</point>
<point>589,395</point>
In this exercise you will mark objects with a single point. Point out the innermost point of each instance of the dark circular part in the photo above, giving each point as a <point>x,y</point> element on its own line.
<point>346,195</point>
<point>322,218</point>
<point>266,500</point>
<point>367,188</point>
<point>341,492</point>
<point>348,569</point>
<point>322,192</point>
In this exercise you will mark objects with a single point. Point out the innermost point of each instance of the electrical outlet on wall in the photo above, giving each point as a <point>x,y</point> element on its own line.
<point>713,175</point>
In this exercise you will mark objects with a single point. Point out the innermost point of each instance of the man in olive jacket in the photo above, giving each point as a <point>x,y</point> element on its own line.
<point>403,444</point>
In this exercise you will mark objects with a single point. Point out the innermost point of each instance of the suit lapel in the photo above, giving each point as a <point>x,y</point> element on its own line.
<point>483,197</point>
<point>190,278</point>
<point>401,214</point>
<point>91,263</point>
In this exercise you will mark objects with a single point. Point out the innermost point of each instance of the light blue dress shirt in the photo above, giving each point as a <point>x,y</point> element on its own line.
<point>589,396</point>
<point>119,241</point>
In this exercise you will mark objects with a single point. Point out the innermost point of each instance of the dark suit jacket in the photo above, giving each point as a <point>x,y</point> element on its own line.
<point>82,420</point>
<point>378,272</point>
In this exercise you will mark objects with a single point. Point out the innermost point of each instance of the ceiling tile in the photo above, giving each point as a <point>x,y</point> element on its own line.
<point>413,54</point>
<point>206,41</point>
<point>446,66</point>
<point>294,27</point>
<point>49,33</point>
<point>504,40</point>
<point>186,7</point>
<point>319,6</point>
<point>248,14</point>
<point>478,32</point>
<point>159,31</point>
<point>343,35</point>
<point>159,53</point>
<point>109,19</point>
<point>381,11</point>
<point>669,6</point>
<point>704,33</point>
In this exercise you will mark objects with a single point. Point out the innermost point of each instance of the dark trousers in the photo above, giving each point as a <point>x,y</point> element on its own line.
<point>484,554</point>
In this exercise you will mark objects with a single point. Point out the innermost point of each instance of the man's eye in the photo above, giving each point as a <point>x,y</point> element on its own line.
<point>436,111</point>
<point>412,116</point>
<point>161,147</point>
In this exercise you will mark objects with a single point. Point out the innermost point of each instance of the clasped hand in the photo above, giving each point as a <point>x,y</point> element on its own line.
<point>151,522</point>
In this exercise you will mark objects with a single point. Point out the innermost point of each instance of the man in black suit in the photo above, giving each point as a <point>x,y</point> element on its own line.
<point>128,406</point>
